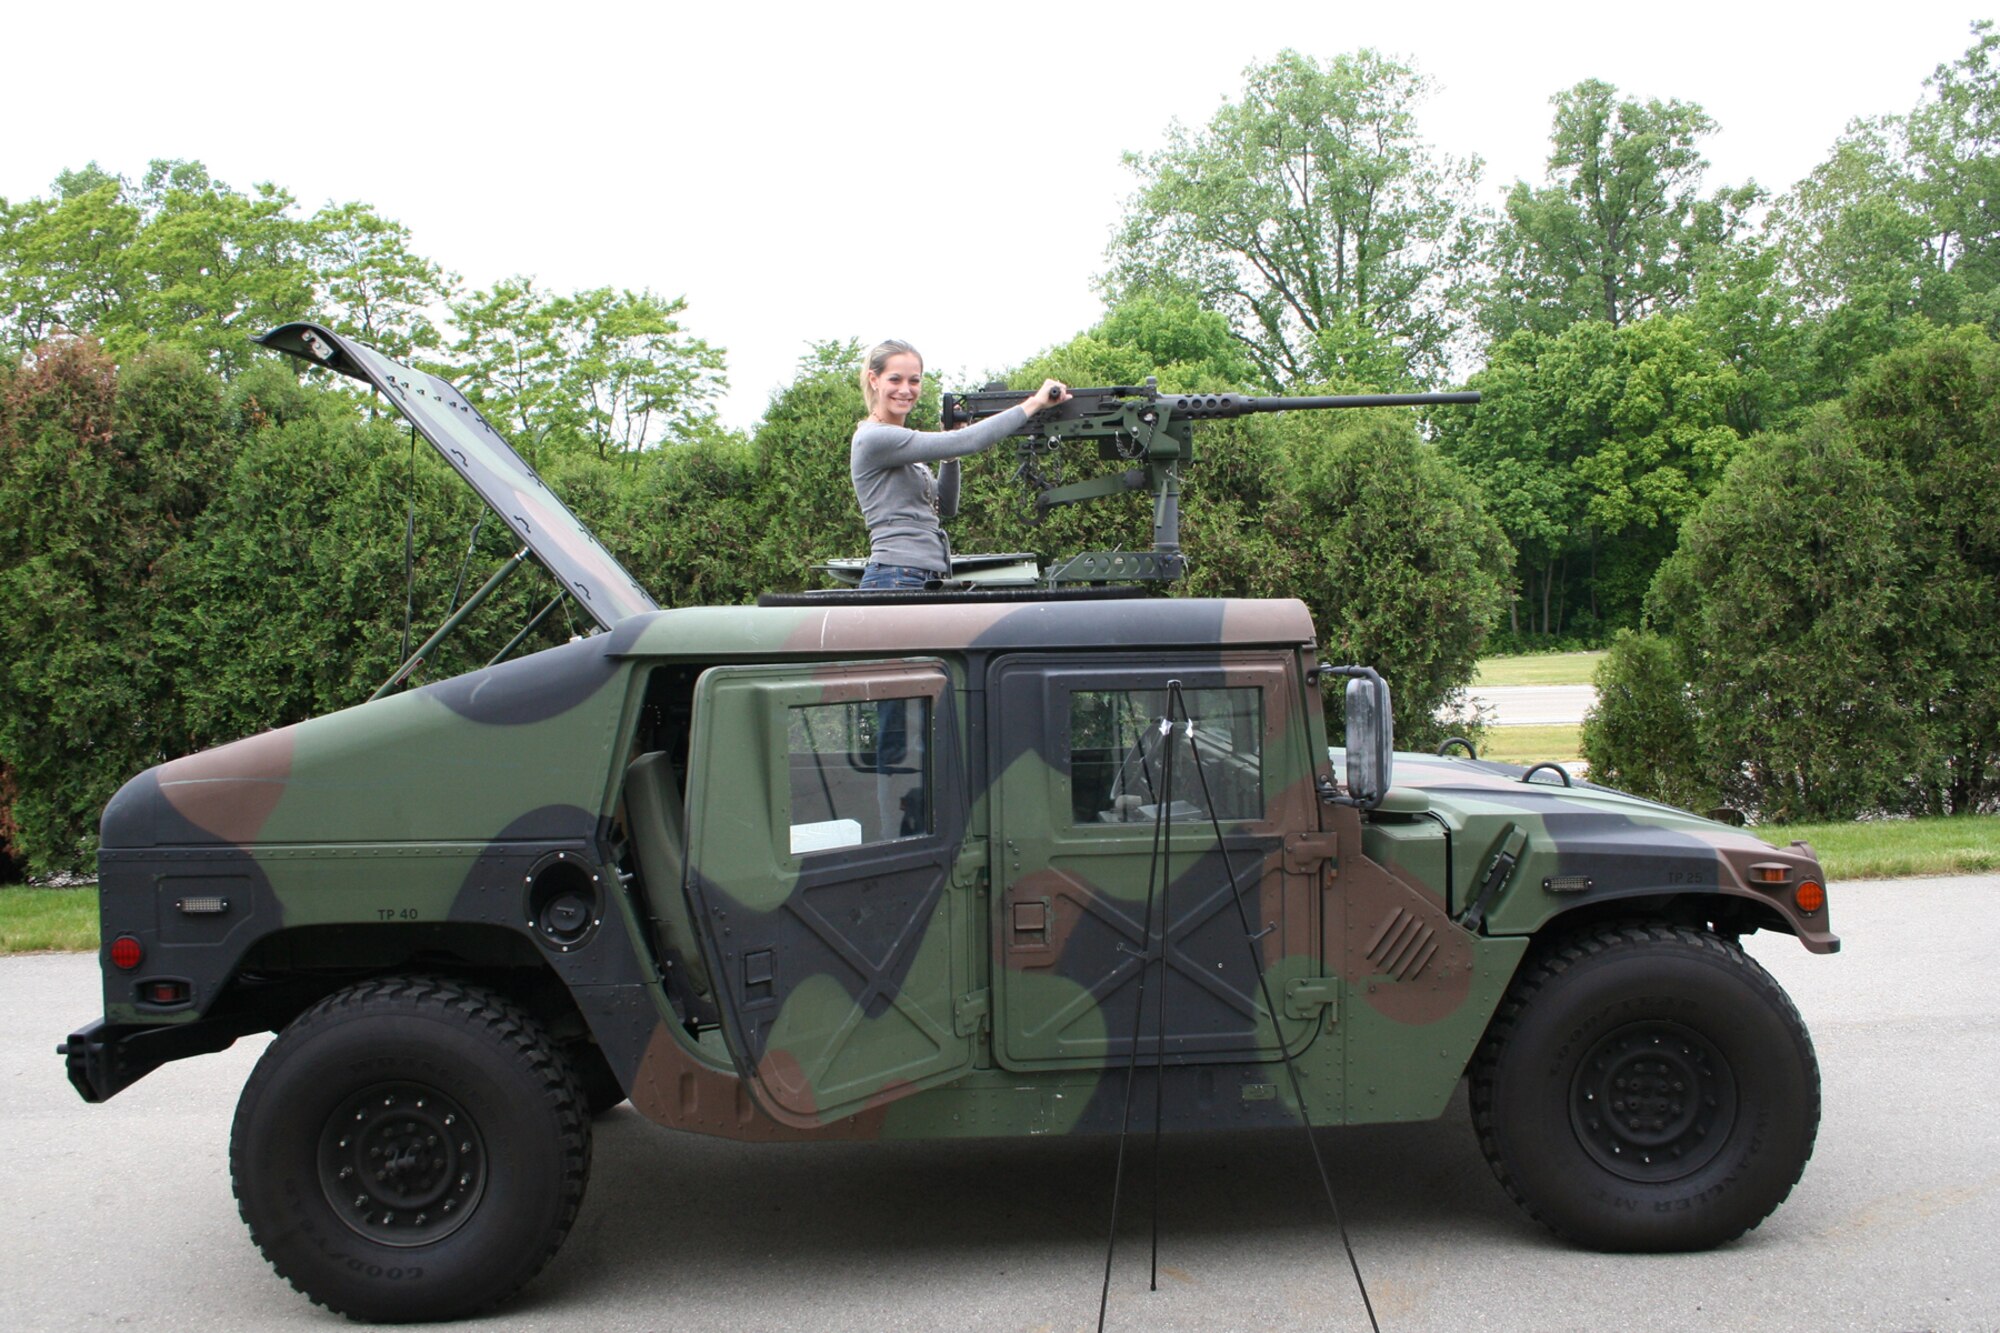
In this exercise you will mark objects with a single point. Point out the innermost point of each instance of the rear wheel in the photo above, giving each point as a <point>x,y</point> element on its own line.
<point>1647,1087</point>
<point>410,1149</point>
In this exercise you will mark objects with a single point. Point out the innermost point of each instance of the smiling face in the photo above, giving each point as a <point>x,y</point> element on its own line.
<point>894,387</point>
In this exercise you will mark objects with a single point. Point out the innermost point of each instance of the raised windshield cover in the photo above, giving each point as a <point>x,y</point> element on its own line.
<point>488,463</point>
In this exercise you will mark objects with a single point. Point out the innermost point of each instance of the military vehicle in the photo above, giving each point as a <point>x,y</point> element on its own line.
<point>904,866</point>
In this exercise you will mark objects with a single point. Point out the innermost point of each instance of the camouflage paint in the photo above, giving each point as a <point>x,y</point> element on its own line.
<point>900,993</point>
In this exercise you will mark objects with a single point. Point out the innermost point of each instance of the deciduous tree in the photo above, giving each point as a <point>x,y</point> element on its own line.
<point>1621,229</point>
<point>1315,217</point>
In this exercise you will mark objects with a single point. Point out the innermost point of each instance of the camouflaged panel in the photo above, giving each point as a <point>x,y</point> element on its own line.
<point>803,1046</point>
<point>426,807</point>
<point>768,633</point>
<point>1421,987</point>
<point>1071,915</point>
<point>838,972</point>
<point>1586,845</point>
<point>905,994</point>
<point>681,1084</point>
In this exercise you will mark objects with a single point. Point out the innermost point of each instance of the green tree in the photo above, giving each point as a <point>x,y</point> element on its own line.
<point>101,476</point>
<point>806,511</point>
<point>1954,138</point>
<point>1931,412</point>
<point>1394,553</point>
<point>1782,603</point>
<point>66,264</point>
<point>605,372</point>
<point>1621,230</point>
<point>689,524</point>
<point>1590,447</point>
<point>1315,218</point>
<point>371,284</point>
<point>1898,231</point>
<point>1640,735</point>
<point>180,257</point>
<point>220,266</point>
<point>1835,603</point>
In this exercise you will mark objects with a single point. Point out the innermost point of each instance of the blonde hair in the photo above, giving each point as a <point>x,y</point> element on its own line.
<point>878,361</point>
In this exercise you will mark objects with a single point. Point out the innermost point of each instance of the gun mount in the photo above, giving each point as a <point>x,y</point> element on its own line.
<point>1150,429</point>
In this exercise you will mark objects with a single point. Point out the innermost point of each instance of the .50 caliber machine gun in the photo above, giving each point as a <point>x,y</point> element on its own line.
<point>1141,425</point>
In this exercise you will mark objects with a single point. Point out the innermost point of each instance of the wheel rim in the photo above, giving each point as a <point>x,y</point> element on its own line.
<point>1653,1101</point>
<point>402,1164</point>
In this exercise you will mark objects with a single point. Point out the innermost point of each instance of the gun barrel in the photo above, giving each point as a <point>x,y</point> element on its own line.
<point>1094,403</point>
<point>1209,406</point>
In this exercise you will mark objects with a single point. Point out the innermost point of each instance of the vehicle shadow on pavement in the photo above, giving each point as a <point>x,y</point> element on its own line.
<point>705,1221</point>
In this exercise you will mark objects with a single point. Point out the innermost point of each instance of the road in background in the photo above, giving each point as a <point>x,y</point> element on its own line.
<point>1535,705</point>
<point>121,1214</point>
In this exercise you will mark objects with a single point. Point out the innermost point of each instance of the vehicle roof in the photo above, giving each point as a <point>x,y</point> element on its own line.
<point>819,630</point>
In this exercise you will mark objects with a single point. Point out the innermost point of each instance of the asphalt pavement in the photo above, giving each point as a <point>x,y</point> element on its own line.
<point>120,1215</point>
<point>1534,705</point>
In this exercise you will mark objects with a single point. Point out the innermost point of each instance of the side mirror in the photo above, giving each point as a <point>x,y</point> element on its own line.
<point>1371,736</point>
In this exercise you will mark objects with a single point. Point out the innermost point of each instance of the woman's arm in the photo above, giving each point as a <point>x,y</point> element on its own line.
<point>879,446</point>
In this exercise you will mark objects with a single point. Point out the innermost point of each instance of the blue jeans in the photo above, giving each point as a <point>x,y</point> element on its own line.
<point>875,576</point>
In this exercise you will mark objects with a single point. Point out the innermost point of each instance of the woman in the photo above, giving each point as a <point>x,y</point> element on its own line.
<point>901,500</point>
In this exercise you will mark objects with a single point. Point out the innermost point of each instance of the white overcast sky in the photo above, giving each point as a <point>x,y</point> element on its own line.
<point>945,174</point>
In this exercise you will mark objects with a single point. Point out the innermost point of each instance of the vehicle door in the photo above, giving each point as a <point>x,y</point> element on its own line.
<point>826,807</point>
<point>1081,774</point>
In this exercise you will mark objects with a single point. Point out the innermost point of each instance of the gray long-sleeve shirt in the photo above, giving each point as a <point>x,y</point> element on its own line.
<point>901,500</point>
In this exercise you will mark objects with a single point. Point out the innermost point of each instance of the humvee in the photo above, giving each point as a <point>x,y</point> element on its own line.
<point>904,866</point>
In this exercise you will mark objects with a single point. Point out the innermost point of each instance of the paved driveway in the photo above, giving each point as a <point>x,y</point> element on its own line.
<point>1536,705</point>
<point>120,1215</point>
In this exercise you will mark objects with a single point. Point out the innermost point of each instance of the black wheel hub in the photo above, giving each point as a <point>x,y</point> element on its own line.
<point>402,1164</point>
<point>1653,1101</point>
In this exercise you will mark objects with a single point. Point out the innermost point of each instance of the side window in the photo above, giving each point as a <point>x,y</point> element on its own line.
<point>1117,756</point>
<point>860,773</point>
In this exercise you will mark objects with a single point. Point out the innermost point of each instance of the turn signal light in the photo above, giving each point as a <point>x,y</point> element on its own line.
<point>1809,896</point>
<point>1770,872</point>
<point>126,953</point>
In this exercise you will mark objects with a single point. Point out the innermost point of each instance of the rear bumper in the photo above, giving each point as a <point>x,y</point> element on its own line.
<point>105,1058</point>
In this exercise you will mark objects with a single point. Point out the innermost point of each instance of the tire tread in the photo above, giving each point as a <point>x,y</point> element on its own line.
<point>1559,957</point>
<point>512,1029</point>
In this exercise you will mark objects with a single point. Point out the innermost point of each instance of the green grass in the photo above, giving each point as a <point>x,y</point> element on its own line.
<point>1538,669</point>
<point>1887,848</point>
<point>1531,745</point>
<point>39,920</point>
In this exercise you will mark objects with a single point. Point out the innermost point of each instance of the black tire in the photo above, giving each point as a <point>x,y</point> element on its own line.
<point>460,1106</point>
<point>1646,1087</point>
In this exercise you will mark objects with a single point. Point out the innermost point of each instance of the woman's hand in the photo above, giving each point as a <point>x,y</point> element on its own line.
<point>1051,393</point>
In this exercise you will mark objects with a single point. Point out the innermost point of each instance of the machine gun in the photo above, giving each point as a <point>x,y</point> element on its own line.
<point>1140,425</point>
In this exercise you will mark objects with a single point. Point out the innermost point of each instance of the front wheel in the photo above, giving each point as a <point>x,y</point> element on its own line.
<point>410,1149</point>
<point>1647,1087</point>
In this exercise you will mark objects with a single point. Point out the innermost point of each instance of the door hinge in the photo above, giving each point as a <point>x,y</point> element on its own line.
<point>1306,852</point>
<point>968,869</point>
<point>1306,996</point>
<point>968,1013</point>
